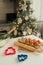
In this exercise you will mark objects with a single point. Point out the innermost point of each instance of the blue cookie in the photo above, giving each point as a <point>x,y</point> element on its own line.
<point>22,57</point>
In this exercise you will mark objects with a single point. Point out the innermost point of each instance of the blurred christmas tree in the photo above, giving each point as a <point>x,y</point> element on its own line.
<point>25,23</point>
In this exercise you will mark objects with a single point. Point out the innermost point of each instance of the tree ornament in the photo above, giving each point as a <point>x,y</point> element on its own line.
<point>29,31</point>
<point>26,18</point>
<point>18,12</point>
<point>32,17</point>
<point>19,3</point>
<point>19,20</point>
<point>31,10</point>
<point>29,2</point>
<point>31,6</point>
<point>24,32</point>
<point>25,1</point>
<point>15,33</point>
<point>39,34</point>
<point>23,7</point>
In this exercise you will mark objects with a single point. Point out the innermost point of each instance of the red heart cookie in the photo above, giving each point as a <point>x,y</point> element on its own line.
<point>11,49</point>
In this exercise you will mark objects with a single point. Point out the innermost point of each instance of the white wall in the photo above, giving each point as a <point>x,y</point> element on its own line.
<point>41,11</point>
<point>36,8</point>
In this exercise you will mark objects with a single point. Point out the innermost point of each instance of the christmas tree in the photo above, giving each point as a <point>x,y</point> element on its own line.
<point>25,23</point>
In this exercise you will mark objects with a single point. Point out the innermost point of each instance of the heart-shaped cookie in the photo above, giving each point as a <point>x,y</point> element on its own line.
<point>22,57</point>
<point>10,51</point>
